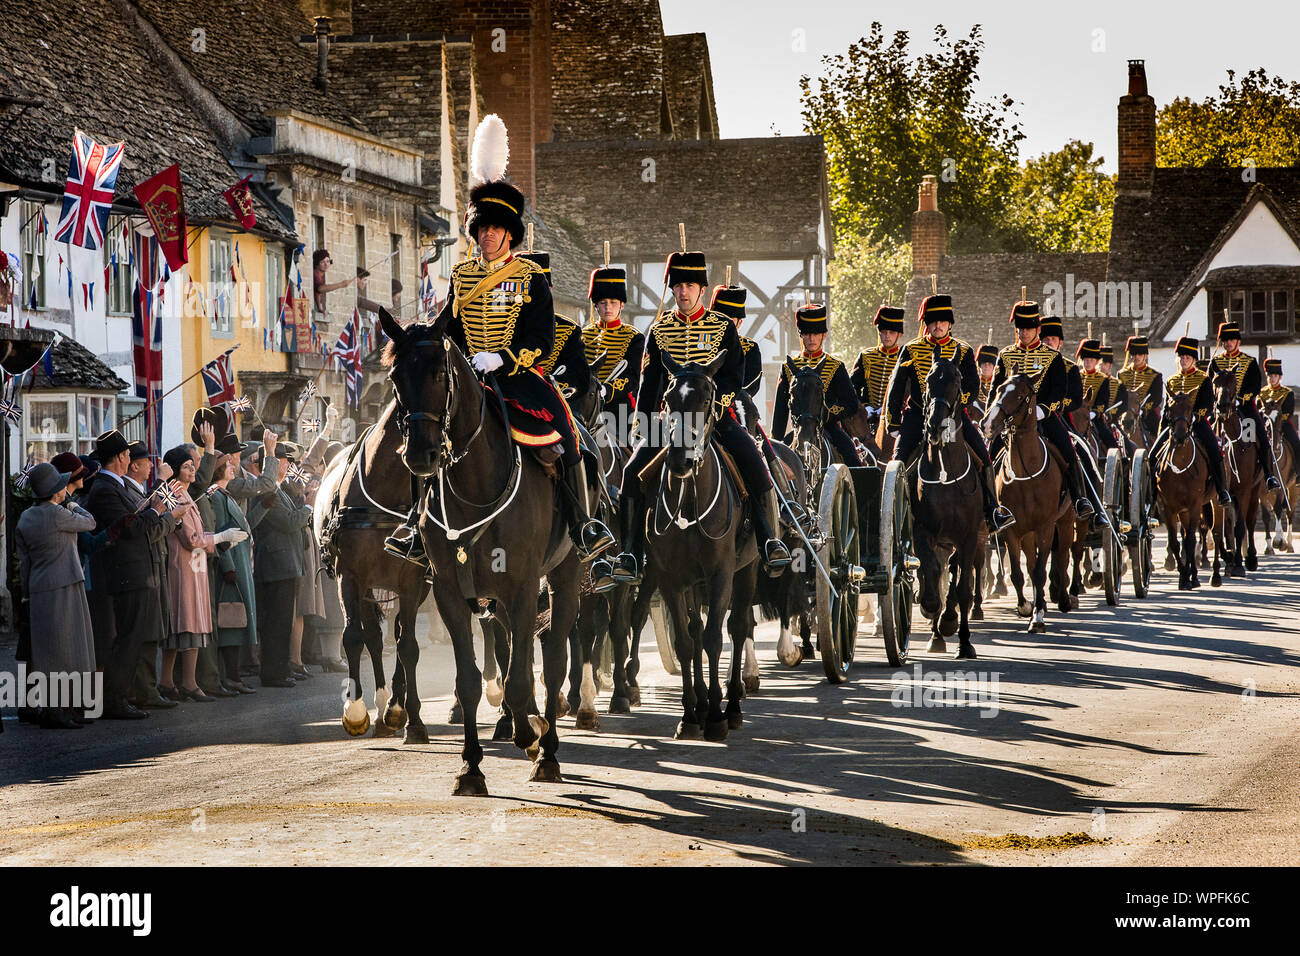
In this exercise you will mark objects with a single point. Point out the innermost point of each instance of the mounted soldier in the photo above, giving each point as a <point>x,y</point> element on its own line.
<point>986,363</point>
<point>1144,384</point>
<point>729,300</point>
<point>1052,334</point>
<point>840,399</point>
<point>1046,371</point>
<point>1102,393</point>
<point>693,335</point>
<point>1280,396</point>
<point>567,361</point>
<point>623,346</point>
<point>1246,369</point>
<point>1107,364</point>
<point>874,367</point>
<point>499,313</point>
<point>1190,380</point>
<point>905,398</point>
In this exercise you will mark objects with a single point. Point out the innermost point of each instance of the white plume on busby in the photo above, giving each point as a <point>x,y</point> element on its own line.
<point>492,200</point>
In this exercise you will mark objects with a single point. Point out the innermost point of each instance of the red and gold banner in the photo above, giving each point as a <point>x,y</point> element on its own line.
<point>241,201</point>
<point>160,195</point>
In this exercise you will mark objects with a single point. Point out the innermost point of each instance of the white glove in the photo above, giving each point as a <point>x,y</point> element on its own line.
<point>1040,413</point>
<point>485,362</point>
<point>893,434</point>
<point>871,411</point>
<point>230,536</point>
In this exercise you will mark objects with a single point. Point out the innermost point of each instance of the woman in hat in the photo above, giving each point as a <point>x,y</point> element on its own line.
<point>51,574</point>
<point>235,577</point>
<point>187,577</point>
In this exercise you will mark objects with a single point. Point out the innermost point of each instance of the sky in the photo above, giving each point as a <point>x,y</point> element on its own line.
<point>1064,64</point>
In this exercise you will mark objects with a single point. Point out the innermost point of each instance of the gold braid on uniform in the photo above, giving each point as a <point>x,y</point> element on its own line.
<point>489,319</point>
<point>920,353</point>
<point>1031,362</point>
<point>693,342</point>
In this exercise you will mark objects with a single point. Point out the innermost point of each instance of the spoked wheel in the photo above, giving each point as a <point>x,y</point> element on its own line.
<point>663,626</point>
<point>837,611</point>
<point>1139,502</point>
<point>1113,502</point>
<point>898,563</point>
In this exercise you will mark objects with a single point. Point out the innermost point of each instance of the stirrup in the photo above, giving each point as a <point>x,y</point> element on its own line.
<point>626,569</point>
<point>1083,508</point>
<point>593,539</point>
<point>776,556</point>
<point>602,576</point>
<point>1271,483</point>
<point>1001,518</point>
<point>409,548</point>
<point>1225,498</point>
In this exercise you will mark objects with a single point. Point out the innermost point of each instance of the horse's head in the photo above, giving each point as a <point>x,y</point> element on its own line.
<point>942,402</point>
<point>587,406</point>
<point>690,411</point>
<point>1179,413</point>
<point>1081,417</point>
<point>807,406</point>
<point>1225,393</point>
<point>1013,407</point>
<point>421,364</point>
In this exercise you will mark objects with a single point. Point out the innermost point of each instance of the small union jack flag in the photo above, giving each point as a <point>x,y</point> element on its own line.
<point>308,393</point>
<point>167,494</point>
<point>242,404</point>
<point>311,424</point>
<point>88,196</point>
<point>11,411</point>
<point>20,479</point>
<point>297,473</point>
<point>219,380</point>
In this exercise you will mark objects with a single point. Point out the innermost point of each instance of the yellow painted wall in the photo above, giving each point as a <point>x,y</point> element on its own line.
<point>199,344</point>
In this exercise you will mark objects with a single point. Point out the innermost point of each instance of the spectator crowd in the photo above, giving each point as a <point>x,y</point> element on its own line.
<point>179,583</point>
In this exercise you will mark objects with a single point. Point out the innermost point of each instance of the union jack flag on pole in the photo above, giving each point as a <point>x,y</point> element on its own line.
<point>311,424</point>
<point>166,492</point>
<point>297,473</point>
<point>88,195</point>
<point>219,380</point>
<point>242,404</point>
<point>12,411</point>
<point>348,352</point>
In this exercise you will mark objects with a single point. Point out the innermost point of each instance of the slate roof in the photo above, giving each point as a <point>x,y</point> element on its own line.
<point>765,197</point>
<point>688,78</point>
<point>77,367</point>
<point>115,92</point>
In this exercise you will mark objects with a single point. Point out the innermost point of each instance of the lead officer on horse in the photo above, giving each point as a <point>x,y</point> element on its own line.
<point>693,335</point>
<point>500,315</point>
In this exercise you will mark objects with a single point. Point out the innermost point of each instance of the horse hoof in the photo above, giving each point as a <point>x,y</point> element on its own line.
<point>415,734</point>
<point>1252,562</point>
<point>1038,627</point>
<point>715,731</point>
<point>1000,590</point>
<point>564,707</point>
<point>687,731</point>
<point>965,652</point>
<point>1024,610</point>
<point>793,658</point>
<point>1216,582</point>
<point>977,614</point>
<point>937,646</point>
<point>1074,604</point>
<point>1171,564</point>
<point>383,730</point>
<point>494,692</point>
<point>546,770</point>
<point>356,718</point>
<point>395,717</point>
<point>634,695</point>
<point>539,724</point>
<point>620,705</point>
<point>750,684</point>
<point>470,783</point>
<point>735,721</point>
<point>587,720</point>
<point>948,623</point>
<point>456,715</point>
<point>808,652</point>
<point>505,729</point>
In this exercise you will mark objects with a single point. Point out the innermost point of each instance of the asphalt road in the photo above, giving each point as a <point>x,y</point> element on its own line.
<point>1162,732</point>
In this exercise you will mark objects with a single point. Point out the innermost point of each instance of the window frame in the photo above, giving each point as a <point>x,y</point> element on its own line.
<point>1241,305</point>
<point>219,282</point>
<point>73,439</point>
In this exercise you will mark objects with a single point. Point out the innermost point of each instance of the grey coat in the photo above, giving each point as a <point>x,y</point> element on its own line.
<point>237,558</point>
<point>280,522</point>
<point>47,546</point>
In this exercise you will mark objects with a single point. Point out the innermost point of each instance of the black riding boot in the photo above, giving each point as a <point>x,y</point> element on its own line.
<point>1219,475</point>
<point>776,556</point>
<point>627,566</point>
<point>1082,503</point>
<point>589,534</point>
<point>999,517</point>
<point>405,541</point>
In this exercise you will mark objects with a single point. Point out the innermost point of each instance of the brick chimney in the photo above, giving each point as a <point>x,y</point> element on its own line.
<point>1137,133</point>
<point>929,229</point>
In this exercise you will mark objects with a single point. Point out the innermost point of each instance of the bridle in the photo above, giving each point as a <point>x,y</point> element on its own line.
<point>934,403</point>
<point>700,445</point>
<point>447,455</point>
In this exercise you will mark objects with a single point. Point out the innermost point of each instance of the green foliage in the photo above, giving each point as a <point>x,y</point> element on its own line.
<point>1063,201</point>
<point>1252,120</point>
<point>863,275</point>
<point>888,117</point>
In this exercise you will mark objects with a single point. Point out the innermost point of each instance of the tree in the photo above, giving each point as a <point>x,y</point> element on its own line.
<point>864,274</point>
<point>1063,201</point>
<point>1252,121</point>
<point>888,117</point>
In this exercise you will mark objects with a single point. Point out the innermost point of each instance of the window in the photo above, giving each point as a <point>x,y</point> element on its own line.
<point>33,254</point>
<point>1259,313</point>
<point>117,262</point>
<point>58,422</point>
<point>395,263</point>
<point>362,258</point>
<point>275,281</point>
<point>221,288</point>
<point>132,424</point>
<point>318,232</point>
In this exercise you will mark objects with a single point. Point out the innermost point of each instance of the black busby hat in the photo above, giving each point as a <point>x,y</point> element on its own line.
<point>1136,345</point>
<point>810,318</point>
<point>1229,330</point>
<point>492,200</point>
<point>1107,353</point>
<point>1088,348</point>
<point>216,417</point>
<point>1051,325</point>
<point>607,283</point>
<point>986,353</point>
<point>542,260</point>
<point>889,318</point>
<point>1025,315</point>
<point>936,308</point>
<point>686,267</point>
<point>729,300</point>
<point>110,444</point>
<point>1188,346</point>
<point>1272,366</point>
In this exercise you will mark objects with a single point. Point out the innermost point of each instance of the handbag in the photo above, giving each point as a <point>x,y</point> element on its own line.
<point>231,615</point>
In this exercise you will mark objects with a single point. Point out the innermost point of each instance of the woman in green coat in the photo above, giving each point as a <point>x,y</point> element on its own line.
<point>235,583</point>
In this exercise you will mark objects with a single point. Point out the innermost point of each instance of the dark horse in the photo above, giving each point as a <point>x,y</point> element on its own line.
<point>1183,490</point>
<point>1245,480</point>
<point>696,535</point>
<point>364,494</point>
<point>492,526</point>
<point>947,511</point>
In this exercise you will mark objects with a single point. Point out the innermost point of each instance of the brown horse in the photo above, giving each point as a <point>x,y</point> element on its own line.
<point>1278,507</point>
<point>1245,482</point>
<point>1083,421</point>
<point>1183,489</point>
<point>1030,481</point>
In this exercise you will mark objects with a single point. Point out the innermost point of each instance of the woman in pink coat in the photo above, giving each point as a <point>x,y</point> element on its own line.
<point>187,576</point>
